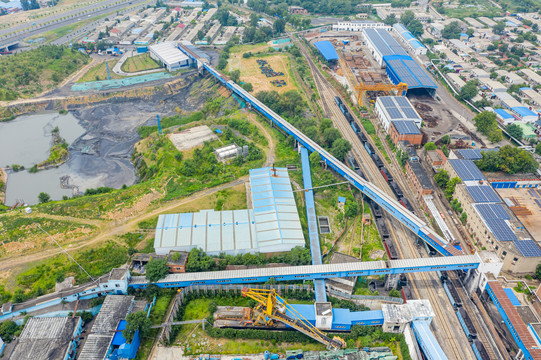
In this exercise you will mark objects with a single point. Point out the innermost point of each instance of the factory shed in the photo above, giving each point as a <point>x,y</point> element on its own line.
<point>48,338</point>
<point>168,54</point>
<point>396,108</point>
<point>114,309</point>
<point>342,319</point>
<point>326,48</point>
<point>466,170</point>
<point>272,225</point>
<point>472,154</point>
<point>504,117</point>
<point>525,114</point>
<point>403,69</point>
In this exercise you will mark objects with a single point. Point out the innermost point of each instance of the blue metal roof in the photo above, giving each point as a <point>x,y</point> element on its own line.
<point>408,36</point>
<point>512,297</point>
<point>523,111</point>
<point>427,340</point>
<point>326,48</point>
<point>400,28</point>
<point>384,42</point>
<point>406,127</point>
<point>483,194</point>
<point>416,43</point>
<point>528,248</point>
<point>343,319</point>
<point>466,170</point>
<point>503,114</point>
<point>402,68</point>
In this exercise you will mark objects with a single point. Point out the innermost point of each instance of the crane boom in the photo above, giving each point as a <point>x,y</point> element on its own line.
<point>272,308</point>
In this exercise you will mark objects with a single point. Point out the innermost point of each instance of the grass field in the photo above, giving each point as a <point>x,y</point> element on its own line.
<point>139,63</point>
<point>251,73</point>
<point>99,72</point>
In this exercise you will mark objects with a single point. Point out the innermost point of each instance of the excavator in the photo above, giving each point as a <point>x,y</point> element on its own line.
<point>271,309</point>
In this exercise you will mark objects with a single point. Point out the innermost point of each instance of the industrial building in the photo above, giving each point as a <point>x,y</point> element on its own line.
<point>48,338</point>
<point>327,50</point>
<point>272,225</point>
<point>99,342</point>
<point>169,55</point>
<point>469,154</point>
<point>227,153</point>
<point>497,229</point>
<point>418,178</point>
<point>409,40</point>
<point>405,130</point>
<point>400,67</point>
<point>466,170</point>
<point>395,108</point>
<point>359,25</point>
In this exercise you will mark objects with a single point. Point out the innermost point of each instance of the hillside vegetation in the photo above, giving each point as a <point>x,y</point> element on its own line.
<point>31,72</point>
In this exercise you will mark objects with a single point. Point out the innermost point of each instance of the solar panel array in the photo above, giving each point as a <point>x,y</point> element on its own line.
<point>483,194</point>
<point>406,127</point>
<point>466,170</point>
<point>501,230</point>
<point>473,154</point>
<point>399,108</point>
<point>528,247</point>
<point>492,211</point>
<point>408,71</point>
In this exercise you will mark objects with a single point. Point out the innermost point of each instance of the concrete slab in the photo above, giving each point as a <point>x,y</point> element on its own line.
<point>191,138</point>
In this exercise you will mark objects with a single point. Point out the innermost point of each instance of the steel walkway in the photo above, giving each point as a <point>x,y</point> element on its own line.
<point>313,233</point>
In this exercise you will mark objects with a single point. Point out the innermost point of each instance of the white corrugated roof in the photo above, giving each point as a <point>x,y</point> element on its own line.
<point>168,52</point>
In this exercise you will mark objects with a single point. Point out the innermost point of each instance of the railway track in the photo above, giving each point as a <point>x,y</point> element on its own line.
<point>451,342</point>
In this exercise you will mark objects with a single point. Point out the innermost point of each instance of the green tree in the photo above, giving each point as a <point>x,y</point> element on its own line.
<point>430,146</point>
<point>7,330</point>
<point>407,17</point>
<point>493,75</point>
<point>254,19</point>
<point>463,217</point>
<point>390,20</point>
<point>468,91</point>
<point>248,86</point>
<point>279,26</point>
<point>495,135</point>
<point>442,178</point>
<point>340,148</point>
<point>451,31</point>
<point>416,28</point>
<point>43,197</point>
<point>325,124</point>
<point>499,28</point>
<point>450,188</point>
<point>470,32</point>
<point>330,135</point>
<point>394,293</point>
<point>485,122</point>
<point>538,148</point>
<point>515,131</point>
<point>351,209</point>
<point>538,272</point>
<point>446,139</point>
<point>315,159</point>
<point>136,321</point>
<point>235,75</point>
<point>156,269</point>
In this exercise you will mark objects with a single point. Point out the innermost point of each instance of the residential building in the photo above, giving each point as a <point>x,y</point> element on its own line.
<point>532,77</point>
<point>418,178</point>
<point>405,130</point>
<point>297,10</point>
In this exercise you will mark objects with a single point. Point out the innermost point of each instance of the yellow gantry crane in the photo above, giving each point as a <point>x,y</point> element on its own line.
<point>272,308</point>
<point>362,88</point>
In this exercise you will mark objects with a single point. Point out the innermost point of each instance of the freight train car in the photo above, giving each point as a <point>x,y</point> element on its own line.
<point>382,228</point>
<point>376,210</point>
<point>396,189</point>
<point>406,204</point>
<point>369,148</point>
<point>348,116</point>
<point>406,293</point>
<point>390,249</point>
<point>377,160</point>
<point>443,275</point>
<point>452,294</point>
<point>466,324</point>
<point>355,127</point>
<point>353,163</point>
<point>362,137</point>
<point>386,174</point>
<point>338,100</point>
<point>360,173</point>
<point>479,350</point>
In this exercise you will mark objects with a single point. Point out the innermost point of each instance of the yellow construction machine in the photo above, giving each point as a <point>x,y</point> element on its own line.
<point>272,308</point>
<point>362,88</point>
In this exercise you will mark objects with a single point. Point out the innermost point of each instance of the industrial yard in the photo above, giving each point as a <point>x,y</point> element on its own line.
<point>269,181</point>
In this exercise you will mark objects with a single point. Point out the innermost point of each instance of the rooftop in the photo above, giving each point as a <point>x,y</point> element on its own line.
<point>384,42</point>
<point>326,48</point>
<point>483,194</point>
<point>46,338</point>
<point>398,108</point>
<point>420,174</point>
<point>406,127</point>
<point>114,309</point>
<point>466,170</point>
<point>407,70</point>
<point>169,52</point>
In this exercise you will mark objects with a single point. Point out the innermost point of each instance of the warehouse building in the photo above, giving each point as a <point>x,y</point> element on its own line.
<point>465,170</point>
<point>99,342</point>
<point>405,130</point>
<point>409,40</point>
<point>169,55</point>
<point>395,108</point>
<point>48,338</point>
<point>497,229</point>
<point>469,154</point>
<point>327,50</point>
<point>418,178</point>
<point>271,225</point>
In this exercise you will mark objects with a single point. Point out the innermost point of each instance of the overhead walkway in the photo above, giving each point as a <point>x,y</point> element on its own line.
<point>313,234</point>
<point>431,349</point>
<point>515,324</point>
<point>390,204</point>
<point>312,272</point>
